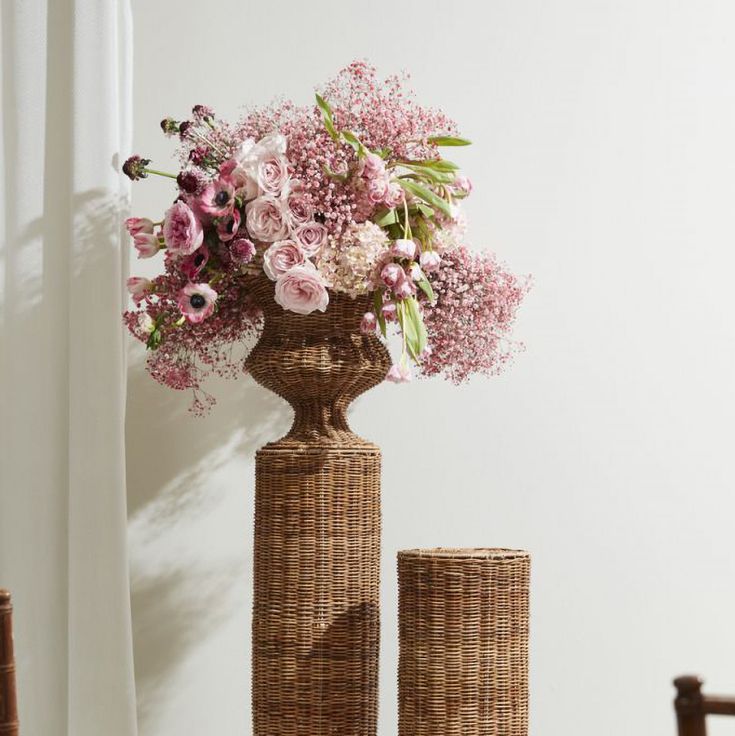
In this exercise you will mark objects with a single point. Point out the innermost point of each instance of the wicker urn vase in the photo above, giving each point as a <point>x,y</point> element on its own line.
<point>317,527</point>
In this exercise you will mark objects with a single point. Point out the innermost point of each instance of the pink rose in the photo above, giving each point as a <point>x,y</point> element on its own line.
<point>298,208</point>
<point>192,265</point>
<point>392,275</point>
<point>404,248</point>
<point>146,244</point>
<point>282,256</point>
<point>264,219</point>
<point>369,323</point>
<point>302,290</point>
<point>136,225</point>
<point>196,302</point>
<point>139,288</point>
<point>310,236</point>
<point>182,231</point>
<point>399,373</point>
<point>430,260</point>
<point>242,250</point>
<point>272,175</point>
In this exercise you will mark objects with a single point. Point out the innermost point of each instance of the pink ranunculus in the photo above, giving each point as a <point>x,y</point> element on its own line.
<point>368,323</point>
<point>182,231</point>
<point>196,302</point>
<point>302,290</point>
<point>282,256</point>
<point>146,244</point>
<point>404,248</point>
<point>399,373</point>
<point>218,197</point>
<point>273,174</point>
<point>392,274</point>
<point>228,226</point>
<point>192,265</point>
<point>405,289</point>
<point>136,225</point>
<point>242,250</point>
<point>430,260</point>
<point>265,219</point>
<point>311,236</point>
<point>371,166</point>
<point>139,288</point>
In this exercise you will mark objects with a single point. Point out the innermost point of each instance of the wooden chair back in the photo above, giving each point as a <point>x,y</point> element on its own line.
<point>692,706</point>
<point>8,699</point>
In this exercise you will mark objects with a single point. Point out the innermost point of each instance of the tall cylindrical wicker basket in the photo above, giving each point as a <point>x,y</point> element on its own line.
<point>8,701</point>
<point>463,626</point>
<point>317,527</point>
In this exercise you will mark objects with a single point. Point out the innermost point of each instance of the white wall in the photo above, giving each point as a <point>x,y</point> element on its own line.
<point>604,164</point>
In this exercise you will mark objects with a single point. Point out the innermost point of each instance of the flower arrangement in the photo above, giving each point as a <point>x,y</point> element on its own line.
<point>349,195</point>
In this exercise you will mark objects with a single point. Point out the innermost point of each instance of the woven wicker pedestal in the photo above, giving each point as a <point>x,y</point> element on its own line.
<point>8,702</point>
<point>463,625</point>
<point>317,528</point>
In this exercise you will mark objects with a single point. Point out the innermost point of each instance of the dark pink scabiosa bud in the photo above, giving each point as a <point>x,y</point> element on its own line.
<point>190,182</point>
<point>134,168</point>
<point>183,127</point>
<point>242,250</point>
<point>169,126</point>
<point>196,302</point>
<point>192,265</point>
<point>202,113</point>
<point>199,155</point>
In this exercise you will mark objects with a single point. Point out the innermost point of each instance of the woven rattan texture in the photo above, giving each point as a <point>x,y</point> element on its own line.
<point>8,701</point>
<point>463,627</point>
<point>317,529</point>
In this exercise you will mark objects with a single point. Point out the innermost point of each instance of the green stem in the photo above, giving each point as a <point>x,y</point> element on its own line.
<point>159,173</point>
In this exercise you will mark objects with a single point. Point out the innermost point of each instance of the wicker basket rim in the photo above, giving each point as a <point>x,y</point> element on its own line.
<point>467,553</point>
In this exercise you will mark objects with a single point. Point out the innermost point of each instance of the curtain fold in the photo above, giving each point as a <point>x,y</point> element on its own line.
<point>66,103</point>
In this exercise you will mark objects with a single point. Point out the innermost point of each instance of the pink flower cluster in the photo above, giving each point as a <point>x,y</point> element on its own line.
<point>352,195</point>
<point>476,304</point>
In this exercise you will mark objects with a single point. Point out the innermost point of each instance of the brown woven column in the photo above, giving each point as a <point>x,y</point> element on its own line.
<point>8,701</point>
<point>463,626</point>
<point>317,528</point>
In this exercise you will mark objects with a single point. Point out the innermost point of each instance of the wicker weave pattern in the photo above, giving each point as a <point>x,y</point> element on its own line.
<point>317,529</point>
<point>463,626</point>
<point>8,701</point>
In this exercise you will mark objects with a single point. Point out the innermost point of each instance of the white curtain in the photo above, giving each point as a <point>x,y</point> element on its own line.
<point>65,127</point>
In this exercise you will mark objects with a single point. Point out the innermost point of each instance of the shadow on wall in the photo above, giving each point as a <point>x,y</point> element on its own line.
<point>190,525</point>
